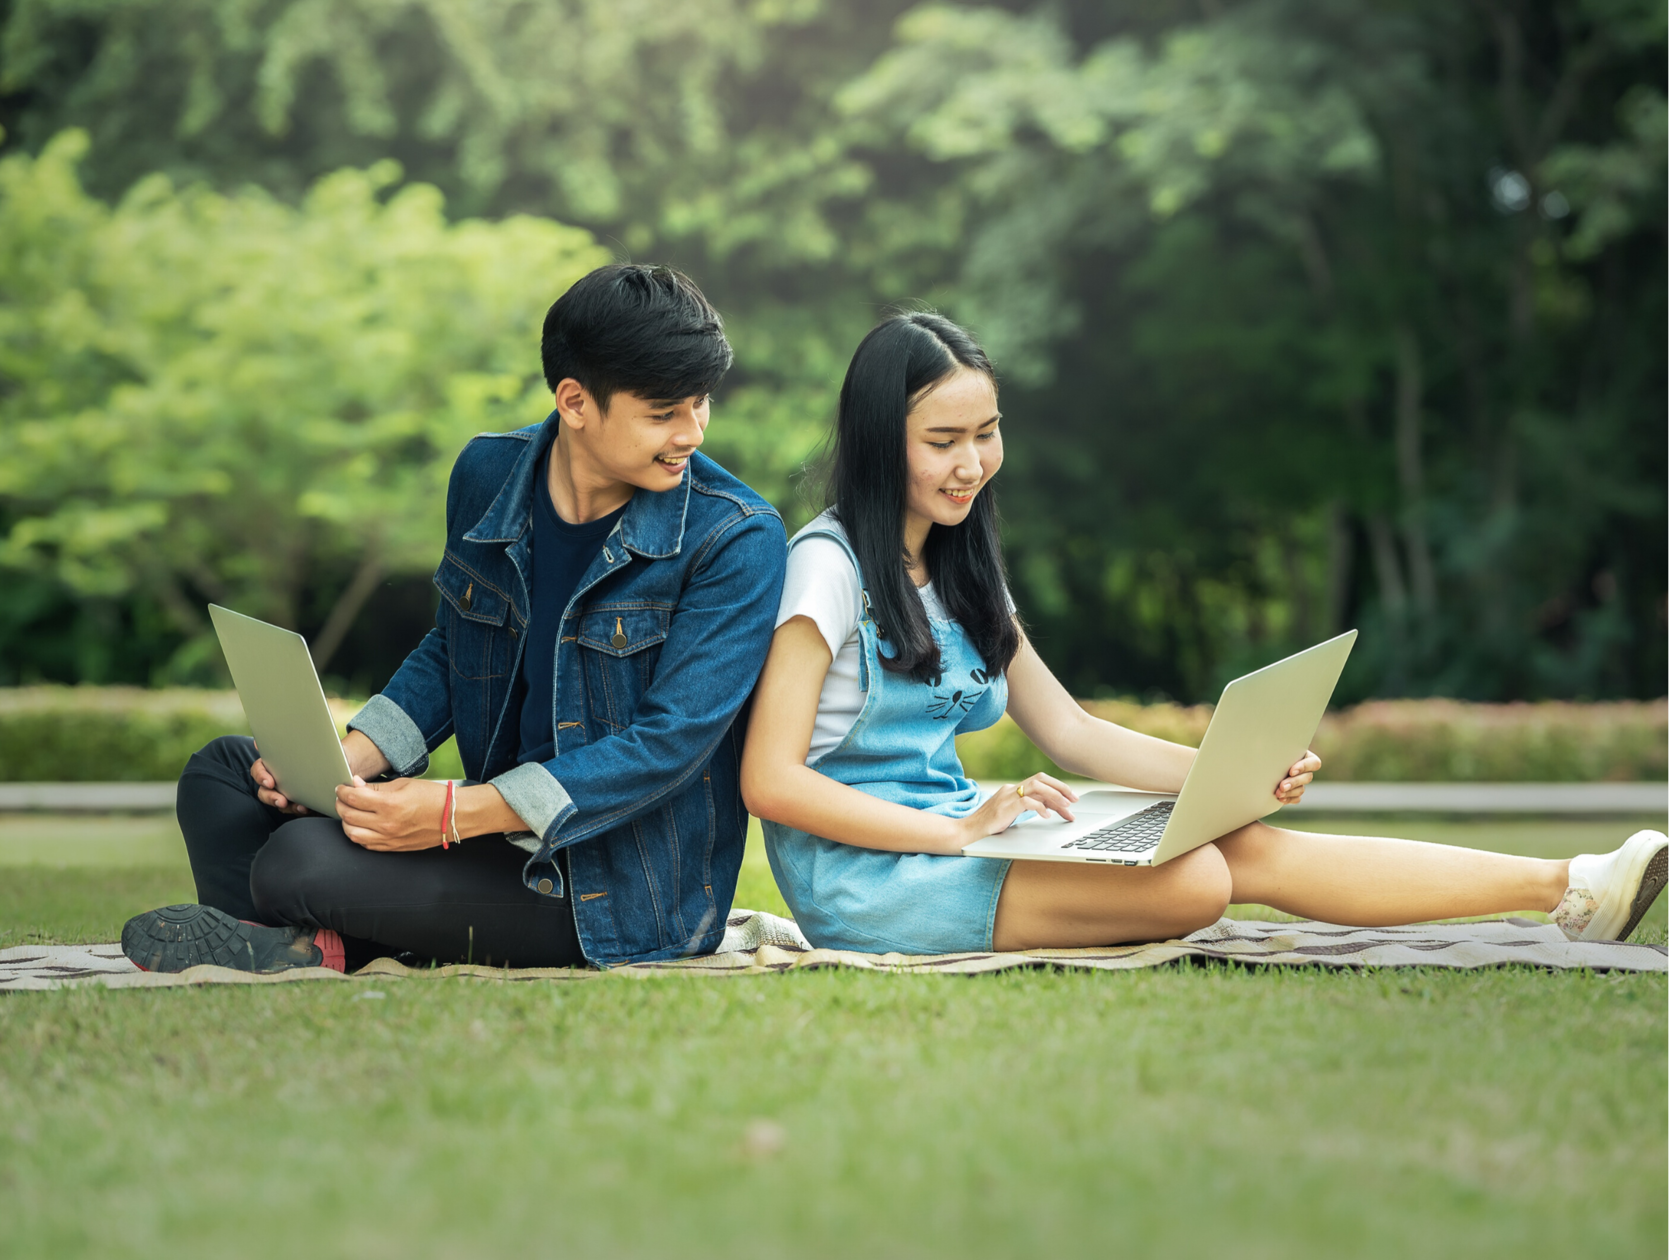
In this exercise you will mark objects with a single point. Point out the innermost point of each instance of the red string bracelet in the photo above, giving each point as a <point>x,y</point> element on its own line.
<point>448,808</point>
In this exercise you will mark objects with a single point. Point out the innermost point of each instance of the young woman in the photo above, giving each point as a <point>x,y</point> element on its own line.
<point>896,633</point>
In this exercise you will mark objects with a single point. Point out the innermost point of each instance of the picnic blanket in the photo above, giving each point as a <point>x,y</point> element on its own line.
<point>756,943</point>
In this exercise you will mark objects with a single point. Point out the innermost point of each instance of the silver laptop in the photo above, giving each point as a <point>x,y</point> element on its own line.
<point>1263,725</point>
<point>286,708</point>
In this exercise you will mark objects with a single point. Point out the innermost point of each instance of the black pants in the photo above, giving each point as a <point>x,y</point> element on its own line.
<point>468,903</point>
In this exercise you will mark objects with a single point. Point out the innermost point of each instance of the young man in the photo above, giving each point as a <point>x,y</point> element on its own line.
<point>608,596</point>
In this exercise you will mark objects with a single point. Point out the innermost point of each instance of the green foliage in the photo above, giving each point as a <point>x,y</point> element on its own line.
<point>1441,740</point>
<point>130,734</point>
<point>116,734</point>
<point>1617,186</point>
<point>1405,741</point>
<point>1309,316</point>
<point>82,734</point>
<point>663,121</point>
<point>214,396</point>
<point>1062,146</point>
<point>1302,336</point>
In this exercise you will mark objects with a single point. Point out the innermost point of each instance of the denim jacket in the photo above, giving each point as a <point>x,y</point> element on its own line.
<point>659,648</point>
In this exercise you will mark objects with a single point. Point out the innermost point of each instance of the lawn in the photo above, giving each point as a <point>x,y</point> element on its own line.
<point>1183,1111</point>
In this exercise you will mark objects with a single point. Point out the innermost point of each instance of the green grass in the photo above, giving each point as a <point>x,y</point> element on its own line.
<point>1185,1111</point>
<point>73,879</point>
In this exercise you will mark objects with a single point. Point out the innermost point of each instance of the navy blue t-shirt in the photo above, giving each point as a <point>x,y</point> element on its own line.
<point>560,554</point>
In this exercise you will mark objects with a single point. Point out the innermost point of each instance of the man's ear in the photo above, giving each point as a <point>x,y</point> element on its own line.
<point>574,404</point>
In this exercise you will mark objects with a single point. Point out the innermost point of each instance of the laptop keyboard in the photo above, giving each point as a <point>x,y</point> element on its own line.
<point>1134,833</point>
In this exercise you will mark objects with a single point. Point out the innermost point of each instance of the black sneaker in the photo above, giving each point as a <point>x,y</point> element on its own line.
<point>177,937</point>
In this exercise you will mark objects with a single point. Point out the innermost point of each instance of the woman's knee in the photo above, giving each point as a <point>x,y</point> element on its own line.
<point>1201,888</point>
<point>1249,843</point>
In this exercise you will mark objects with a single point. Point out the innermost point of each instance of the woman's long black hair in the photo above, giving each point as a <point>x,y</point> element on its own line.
<point>901,359</point>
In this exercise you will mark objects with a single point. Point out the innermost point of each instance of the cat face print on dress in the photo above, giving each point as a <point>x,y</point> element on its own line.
<point>958,700</point>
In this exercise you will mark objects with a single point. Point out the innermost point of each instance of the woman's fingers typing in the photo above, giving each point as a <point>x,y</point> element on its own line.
<point>1048,796</point>
<point>1043,794</point>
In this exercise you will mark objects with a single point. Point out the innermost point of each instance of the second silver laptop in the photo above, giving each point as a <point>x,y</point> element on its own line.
<point>1263,725</point>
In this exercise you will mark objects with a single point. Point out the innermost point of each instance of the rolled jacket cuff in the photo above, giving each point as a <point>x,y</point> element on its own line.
<point>394,733</point>
<point>536,796</point>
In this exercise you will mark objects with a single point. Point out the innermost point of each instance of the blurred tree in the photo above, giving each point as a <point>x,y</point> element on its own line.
<point>1310,315</point>
<point>1297,298</point>
<point>665,121</point>
<point>698,134</point>
<point>216,397</point>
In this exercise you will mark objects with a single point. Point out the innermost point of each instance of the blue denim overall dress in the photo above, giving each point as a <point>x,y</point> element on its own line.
<point>902,748</point>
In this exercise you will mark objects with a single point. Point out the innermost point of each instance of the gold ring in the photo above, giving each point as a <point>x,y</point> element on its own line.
<point>1020,789</point>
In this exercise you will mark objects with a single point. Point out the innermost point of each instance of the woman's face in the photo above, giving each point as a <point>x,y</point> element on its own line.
<point>954,446</point>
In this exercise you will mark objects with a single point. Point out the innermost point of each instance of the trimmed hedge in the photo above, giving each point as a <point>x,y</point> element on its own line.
<point>1407,741</point>
<point>114,734</point>
<point>80,734</point>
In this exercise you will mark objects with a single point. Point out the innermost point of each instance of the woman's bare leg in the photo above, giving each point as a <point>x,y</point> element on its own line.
<point>1050,905</point>
<point>1369,881</point>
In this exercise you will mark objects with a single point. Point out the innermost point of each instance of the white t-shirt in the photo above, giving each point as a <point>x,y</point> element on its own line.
<point>822,584</point>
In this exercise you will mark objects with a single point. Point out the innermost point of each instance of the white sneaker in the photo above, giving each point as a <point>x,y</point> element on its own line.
<point>1609,893</point>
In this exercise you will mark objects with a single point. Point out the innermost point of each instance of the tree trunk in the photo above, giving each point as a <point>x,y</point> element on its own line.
<point>1391,590</point>
<point>1408,451</point>
<point>349,604</point>
<point>1391,584</point>
<point>1338,568</point>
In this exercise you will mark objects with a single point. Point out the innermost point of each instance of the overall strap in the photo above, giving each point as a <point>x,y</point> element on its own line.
<point>866,622</point>
<point>824,531</point>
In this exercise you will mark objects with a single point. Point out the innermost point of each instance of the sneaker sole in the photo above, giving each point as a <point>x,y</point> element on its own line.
<point>177,937</point>
<point>1651,885</point>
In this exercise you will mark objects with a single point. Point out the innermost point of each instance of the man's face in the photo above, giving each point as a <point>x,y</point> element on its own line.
<point>644,442</point>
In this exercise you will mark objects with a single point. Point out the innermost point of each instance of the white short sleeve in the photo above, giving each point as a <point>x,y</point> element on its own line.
<point>822,584</point>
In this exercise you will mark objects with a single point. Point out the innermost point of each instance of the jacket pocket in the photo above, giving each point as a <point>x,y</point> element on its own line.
<point>481,640</point>
<point>621,650</point>
<point>624,631</point>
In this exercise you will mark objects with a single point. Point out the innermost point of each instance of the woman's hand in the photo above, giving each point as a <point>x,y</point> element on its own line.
<point>395,817</point>
<point>1300,774</point>
<point>1041,793</point>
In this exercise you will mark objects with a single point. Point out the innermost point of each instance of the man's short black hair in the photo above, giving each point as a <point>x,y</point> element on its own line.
<point>630,327</point>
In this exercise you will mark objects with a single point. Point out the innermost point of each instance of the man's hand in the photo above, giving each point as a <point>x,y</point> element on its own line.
<point>1300,774</point>
<point>395,817</point>
<point>361,752</point>
<point>268,791</point>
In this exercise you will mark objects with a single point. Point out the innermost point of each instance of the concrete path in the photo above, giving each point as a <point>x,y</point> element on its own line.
<point>86,798</point>
<point>1346,798</point>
